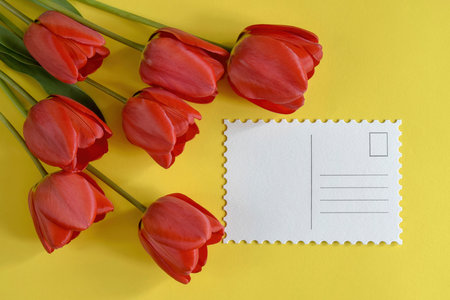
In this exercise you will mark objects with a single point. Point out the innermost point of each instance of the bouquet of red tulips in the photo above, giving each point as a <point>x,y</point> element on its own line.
<point>269,65</point>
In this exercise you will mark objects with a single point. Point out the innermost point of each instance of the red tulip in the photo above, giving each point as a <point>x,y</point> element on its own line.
<point>67,49</point>
<point>63,133</point>
<point>160,123</point>
<point>175,231</point>
<point>64,204</point>
<point>183,64</point>
<point>270,66</point>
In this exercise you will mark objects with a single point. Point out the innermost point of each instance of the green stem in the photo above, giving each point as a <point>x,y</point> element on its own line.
<point>130,16</point>
<point>20,139</point>
<point>16,30</point>
<point>17,87</point>
<point>106,90</point>
<point>91,25</point>
<point>16,12</point>
<point>122,13</point>
<point>116,188</point>
<point>13,98</point>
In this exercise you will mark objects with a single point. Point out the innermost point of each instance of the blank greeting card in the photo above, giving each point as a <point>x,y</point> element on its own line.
<point>312,181</point>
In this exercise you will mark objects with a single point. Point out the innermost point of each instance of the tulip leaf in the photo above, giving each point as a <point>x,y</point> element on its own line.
<point>16,56</point>
<point>64,3</point>
<point>13,42</point>
<point>50,84</point>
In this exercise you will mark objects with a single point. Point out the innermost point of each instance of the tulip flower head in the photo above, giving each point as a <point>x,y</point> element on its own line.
<point>270,66</point>
<point>160,123</point>
<point>63,133</point>
<point>183,64</point>
<point>64,204</point>
<point>176,231</point>
<point>65,48</point>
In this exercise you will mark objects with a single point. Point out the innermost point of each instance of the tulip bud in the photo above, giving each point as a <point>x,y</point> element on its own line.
<point>64,204</point>
<point>183,64</point>
<point>176,231</point>
<point>160,123</point>
<point>270,66</point>
<point>63,133</point>
<point>65,48</point>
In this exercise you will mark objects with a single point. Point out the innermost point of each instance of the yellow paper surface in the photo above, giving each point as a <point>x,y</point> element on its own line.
<point>383,60</point>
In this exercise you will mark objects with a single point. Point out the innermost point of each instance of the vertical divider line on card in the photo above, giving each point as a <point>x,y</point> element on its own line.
<point>311,204</point>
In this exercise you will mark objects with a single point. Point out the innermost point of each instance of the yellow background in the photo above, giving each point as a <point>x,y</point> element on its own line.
<point>382,60</point>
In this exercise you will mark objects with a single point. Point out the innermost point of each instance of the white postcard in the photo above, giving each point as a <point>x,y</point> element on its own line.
<point>312,181</point>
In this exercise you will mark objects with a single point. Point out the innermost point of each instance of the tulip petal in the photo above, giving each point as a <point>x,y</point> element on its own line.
<point>74,234</point>
<point>192,132</point>
<point>216,228</point>
<point>216,236</point>
<point>171,103</point>
<point>267,29</point>
<point>93,152</point>
<point>170,64</point>
<point>164,160</point>
<point>181,261</point>
<point>202,256</point>
<point>216,66</point>
<point>179,122</point>
<point>87,50</point>
<point>193,41</point>
<point>79,108</point>
<point>314,49</point>
<point>51,53</point>
<point>49,133</point>
<point>68,28</point>
<point>78,57</point>
<point>91,66</point>
<point>178,148</point>
<point>305,58</point>
<point>104,206</point>
<point>316,52</point>
<point>55,235</point>
<point>67,200</point>
<point>102,51</point>
<point>285,108</point>
<point>170,260</point>
<point>146,125</point>
<point>37,224</point>
<point>92,182</point>
<point>88,129</point>
<point>264,68</point>
<point>177,224</point>
<point>181,141</point>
